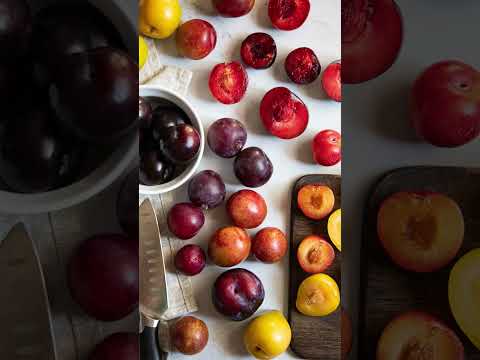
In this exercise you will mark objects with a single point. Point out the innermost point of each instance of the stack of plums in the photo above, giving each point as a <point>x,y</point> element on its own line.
<point>168,141</point>
<point>66,86</point>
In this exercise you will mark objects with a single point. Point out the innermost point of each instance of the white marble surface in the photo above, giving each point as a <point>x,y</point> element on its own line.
<point>291,159</point>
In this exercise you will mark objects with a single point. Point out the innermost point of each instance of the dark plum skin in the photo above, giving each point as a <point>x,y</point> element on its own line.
<point>65,29</point>
<point>147,142</point>
<point>118,346</point>
<point>259,51</point>
<point>34,157</point>
<point>237,294</point>
<point>95,94</point>
<point>15,28</point>
<point>14,94</point>
<point>180,144</point>
<point>145,113</point>
<point>226,137</point>
<point>165,117</point>
<point>253,167</point>
<point>185,220</point>
<point>190,260</point>
<point>207,189</point>
<point>127,204</point>
<point>103,276</point>
<point>7,82</point>
<point>154,170</point>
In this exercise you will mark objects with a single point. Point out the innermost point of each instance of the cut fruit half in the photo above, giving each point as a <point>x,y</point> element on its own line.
<point>418,335</point>
<point>334,228</point>
<point>315,254</point>
<point>316,201</point>
<point>283,113</point>
<point>420,231</point>
<point>228,82</point>
<point>259,51</point>
<point>318,295</point>
<point>464,295</point>
<point>288,14</point>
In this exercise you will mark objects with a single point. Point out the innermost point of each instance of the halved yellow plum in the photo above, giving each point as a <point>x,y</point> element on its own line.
<point>418,335</point>
<point>318,295</point>
<point>334,227</point>
<point>142,52</point>
<point>464,294</point>
<point>421,232</point>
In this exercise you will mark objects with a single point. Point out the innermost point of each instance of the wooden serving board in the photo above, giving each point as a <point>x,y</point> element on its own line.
<point>313,337</point>
<point>387,289</point>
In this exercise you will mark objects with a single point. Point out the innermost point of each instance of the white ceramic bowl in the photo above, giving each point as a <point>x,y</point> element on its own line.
<point>14,203</point>
<point>162,93</point>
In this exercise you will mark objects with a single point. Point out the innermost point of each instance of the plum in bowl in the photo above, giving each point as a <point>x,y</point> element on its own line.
<point>185,124</point>
<point>109,165</point>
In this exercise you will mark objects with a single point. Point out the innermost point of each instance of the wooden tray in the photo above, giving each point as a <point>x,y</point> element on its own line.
<point>313,337</point>
<point>389,290</point>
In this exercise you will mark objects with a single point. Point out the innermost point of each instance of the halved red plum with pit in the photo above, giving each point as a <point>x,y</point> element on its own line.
<point>418,335</point>
<point>228,82</point>
<point>302,66</point>
<point>372,36</point>
<point>283,113</point>
<point>288,14</point>
<point>332,81</point>
<point>259,51</point>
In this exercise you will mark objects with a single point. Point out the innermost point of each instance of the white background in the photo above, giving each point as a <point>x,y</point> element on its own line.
<point>291,159</point>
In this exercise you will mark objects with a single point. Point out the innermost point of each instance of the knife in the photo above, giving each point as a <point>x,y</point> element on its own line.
<point>27,329</point>
<point>153,282</point>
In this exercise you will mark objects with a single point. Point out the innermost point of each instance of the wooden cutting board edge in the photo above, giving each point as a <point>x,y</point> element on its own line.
<point>359,331</point>
<point>293,260</point>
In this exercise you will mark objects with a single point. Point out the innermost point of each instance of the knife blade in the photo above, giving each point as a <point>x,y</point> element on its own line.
<point>153,281</point>
<point>27,329</point>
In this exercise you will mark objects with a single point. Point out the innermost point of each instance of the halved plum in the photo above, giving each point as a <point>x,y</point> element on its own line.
<point>418,335</point>
<point>420,231</point>
<point>283,113</point>
<point>288,14</point>
<point>259,50</point>
<point>372,35</point>
<point>316,201</point>
<point>315,254</point>
<point>302,66</point>
<point>228,82</point>
<point>332,81</point>
<point>463,292</point>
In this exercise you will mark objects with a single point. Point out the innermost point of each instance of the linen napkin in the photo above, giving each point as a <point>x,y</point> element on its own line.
<point>181,299</point>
